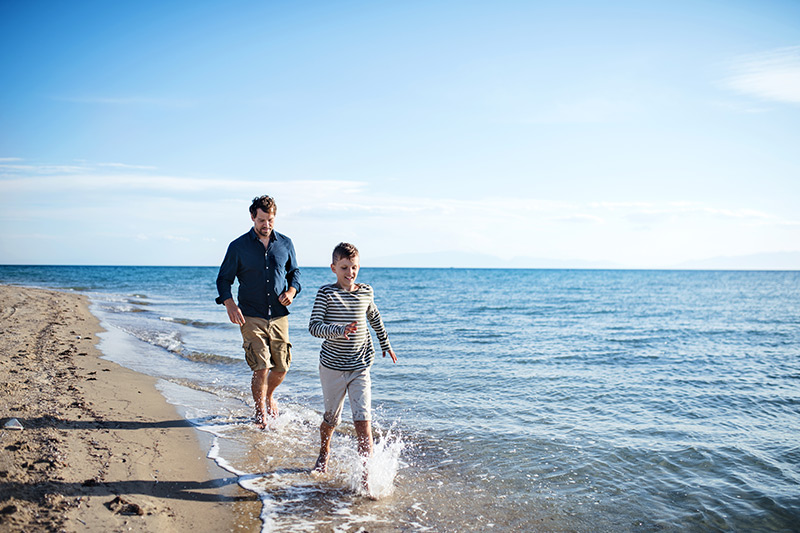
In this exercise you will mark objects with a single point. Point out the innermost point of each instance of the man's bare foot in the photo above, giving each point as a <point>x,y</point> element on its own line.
<point>321,466</point>
<point>260,419</point>
<point>272,408</point>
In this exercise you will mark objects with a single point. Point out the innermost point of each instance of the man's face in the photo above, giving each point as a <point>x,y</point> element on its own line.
<point>263,223</point>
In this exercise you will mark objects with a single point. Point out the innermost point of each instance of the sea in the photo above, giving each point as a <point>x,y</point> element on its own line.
<point>522,400</point>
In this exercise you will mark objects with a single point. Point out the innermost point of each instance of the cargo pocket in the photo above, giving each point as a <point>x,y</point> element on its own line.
<point>288,354</point>
<point>281,356</point>
<point>249,356</point>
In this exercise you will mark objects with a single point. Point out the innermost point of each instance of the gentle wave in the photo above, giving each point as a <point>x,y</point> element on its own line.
<point>191,322</point>
<point>172,341</point>
<point>121,308</point>
<point>616,401</point>
<point>210,358</point>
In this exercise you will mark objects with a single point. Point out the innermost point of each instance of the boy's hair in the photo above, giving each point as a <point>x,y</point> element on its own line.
<point>265,203</point>
<point>344,250</point>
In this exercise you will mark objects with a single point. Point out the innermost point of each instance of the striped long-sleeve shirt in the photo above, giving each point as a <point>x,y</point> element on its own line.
<point>333,309</point>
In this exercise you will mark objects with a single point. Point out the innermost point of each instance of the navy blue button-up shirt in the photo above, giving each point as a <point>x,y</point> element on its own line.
<point>264,274</point>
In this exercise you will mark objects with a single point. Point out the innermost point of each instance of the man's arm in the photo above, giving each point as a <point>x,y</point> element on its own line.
<point>234,313</point>
<point>292,278</point>
<point>287,297</point>
<point>225,278</point>
<point>226,275</point>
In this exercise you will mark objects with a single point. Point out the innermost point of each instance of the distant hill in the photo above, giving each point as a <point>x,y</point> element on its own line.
<point>470,260</point>
<point>765,261</point>
<point>453,259</point>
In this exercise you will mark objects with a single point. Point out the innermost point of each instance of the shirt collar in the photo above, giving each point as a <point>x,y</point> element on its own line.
<point>254,235</point>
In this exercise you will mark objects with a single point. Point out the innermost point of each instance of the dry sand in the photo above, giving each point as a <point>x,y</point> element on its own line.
<point>101,450</point>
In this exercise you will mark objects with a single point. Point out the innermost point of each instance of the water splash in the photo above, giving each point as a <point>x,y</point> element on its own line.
<point>380,469</point>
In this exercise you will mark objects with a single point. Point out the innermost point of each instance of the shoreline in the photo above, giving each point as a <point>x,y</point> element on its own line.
<point>100,449</point>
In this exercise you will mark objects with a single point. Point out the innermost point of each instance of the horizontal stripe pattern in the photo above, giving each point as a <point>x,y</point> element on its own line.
<point>333,309</point>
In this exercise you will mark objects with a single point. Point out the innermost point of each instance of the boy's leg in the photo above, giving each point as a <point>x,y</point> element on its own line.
<point>325,434</point>
<point>364,436</point>
<point>359,390</point>
<point>334,388</point>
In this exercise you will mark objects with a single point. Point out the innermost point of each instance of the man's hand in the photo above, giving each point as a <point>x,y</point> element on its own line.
<point>234,313</point>
<point>390,352</point>
<point>287,297</point>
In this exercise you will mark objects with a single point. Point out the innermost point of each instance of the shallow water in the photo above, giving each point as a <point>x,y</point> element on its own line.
<point>523,400</point>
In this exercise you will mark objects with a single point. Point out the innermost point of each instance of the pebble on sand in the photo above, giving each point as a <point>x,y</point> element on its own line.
<point>13,424</point>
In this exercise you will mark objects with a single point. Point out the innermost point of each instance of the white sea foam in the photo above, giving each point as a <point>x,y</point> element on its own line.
<point>610,381</point>
<point>381,468</point>
<point>279,476</point>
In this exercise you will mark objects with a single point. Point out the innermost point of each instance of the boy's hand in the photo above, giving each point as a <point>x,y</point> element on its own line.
<point>391,352</point>
<point>352,327</point>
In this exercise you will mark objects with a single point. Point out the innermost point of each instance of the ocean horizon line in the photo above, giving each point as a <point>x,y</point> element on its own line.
<point>516,268</point>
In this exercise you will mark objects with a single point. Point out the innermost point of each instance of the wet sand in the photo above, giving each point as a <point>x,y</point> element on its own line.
<point>100,448</point>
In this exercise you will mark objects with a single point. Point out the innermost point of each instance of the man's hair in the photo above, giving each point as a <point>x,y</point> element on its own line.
<point>344,250</point>
<point>265,203</point>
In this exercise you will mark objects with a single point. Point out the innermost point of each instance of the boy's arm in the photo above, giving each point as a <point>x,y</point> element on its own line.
<point>375,320</point>
<point>316,324</point>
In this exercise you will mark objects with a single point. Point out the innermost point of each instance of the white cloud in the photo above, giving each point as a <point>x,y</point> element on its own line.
<point>16,170</point>
<point>176,238</point>
<point>773,75</point>
<point>128,101</point>
<point>53,178</point>
<point>126,166</point>
<point>581,218</point>
<point>181,220</point>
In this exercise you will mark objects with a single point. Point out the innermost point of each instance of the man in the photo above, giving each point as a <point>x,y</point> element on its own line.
<point>264,262</point>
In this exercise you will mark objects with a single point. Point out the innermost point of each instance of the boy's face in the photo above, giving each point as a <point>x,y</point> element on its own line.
<point>346,270</point>
<point>263,222</point>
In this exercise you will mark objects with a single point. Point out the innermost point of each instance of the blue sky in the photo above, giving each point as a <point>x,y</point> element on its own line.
<point>436,133</point>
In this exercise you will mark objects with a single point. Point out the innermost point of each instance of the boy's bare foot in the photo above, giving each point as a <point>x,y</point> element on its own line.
<point>365,483</point>
<point>321,466</point>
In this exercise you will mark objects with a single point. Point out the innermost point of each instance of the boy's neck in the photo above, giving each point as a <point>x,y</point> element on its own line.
<point>351,288</point>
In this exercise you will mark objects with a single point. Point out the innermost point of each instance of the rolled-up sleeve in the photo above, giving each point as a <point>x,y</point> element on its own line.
<point>226,275</point>
<point>293,270</point>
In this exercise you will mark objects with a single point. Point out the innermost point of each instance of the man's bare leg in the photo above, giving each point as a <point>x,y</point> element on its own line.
<point>325,434</point>
<point>259,388</point>
<point>273,380</point>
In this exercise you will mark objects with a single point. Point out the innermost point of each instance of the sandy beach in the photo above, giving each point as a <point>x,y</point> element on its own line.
<point>100,448</point>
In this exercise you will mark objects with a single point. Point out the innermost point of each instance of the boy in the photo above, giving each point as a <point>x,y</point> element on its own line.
<point>340,314</point>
